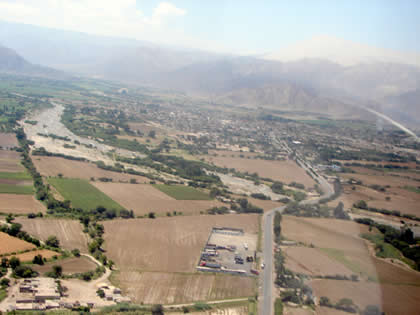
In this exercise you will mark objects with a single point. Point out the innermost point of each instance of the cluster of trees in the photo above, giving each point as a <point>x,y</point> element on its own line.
<point>218,210</point>
<point>244,206</point>
<point>57,272</point>
<point>347,305</point>
<point>115,119</point>
<point>192,170</point>
<point>15,110</point>
<point>344,304</point>
<point>336,153</point>
<point>43,152</point>
<point>119,168</point>
<point>402,240</point>
<point>376,166</point>
<point>96,231</point>
<point>54,136</point>
<point>354,278</point>
<point>260,196</point>
<point>339,212</point>
<point>19,270</point>
<point>297,185</point>
<point>308,210</point>
<point>361,204</point>
<point>277,227</point>
<point>277,187</point>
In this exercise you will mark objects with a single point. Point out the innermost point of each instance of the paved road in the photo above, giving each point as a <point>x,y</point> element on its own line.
<point>268,282</point>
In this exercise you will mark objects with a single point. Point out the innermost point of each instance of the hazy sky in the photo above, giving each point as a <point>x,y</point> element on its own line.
<point>241,26</point>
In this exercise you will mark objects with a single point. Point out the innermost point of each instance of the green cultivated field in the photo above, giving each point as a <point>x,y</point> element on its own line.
<point>16,189</point>
<point>183,192</point>
<point>82,194</point>
<point>383,250</point>
<point>17,176</point>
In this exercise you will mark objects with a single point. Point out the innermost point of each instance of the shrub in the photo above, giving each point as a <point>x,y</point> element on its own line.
<point>100,293</point>
<point>52,241</point>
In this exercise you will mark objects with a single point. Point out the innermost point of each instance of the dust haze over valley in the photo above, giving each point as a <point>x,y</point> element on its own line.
<point>319,74</point>
<point>155,158</point>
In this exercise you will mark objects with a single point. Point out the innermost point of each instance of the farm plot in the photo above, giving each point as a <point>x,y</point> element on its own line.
<point>10,161</point>
<point>362,293</point>
<point>284,171</point>
<point>10,244</point>
<point>52,166</point>
<point>143,199</point>
<point>13,177</point>
<point>173,288</point>
<point>179,192</point>
<point>8,140</point>
<point>68,232</point>
<point>70,265</point>
<point>398,198</point>
<point>349,196</point>
<point>28,256</point>
<point>297,311</point>
<point>338,239</point>
<point>20,204</point>
<point>166,244</point>
<point>400,299</point>
<point>16,189</point>
<point>313,262</point>
<point>82,194</point>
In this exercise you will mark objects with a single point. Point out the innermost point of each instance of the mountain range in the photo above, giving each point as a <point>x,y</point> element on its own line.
<point>338,79</point>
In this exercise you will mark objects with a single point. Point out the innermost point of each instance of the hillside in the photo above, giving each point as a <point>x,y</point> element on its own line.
<point>12,62</point>
<point>340,51</point>
<point>323,77</point>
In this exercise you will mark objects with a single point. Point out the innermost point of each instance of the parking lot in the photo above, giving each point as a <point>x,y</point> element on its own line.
<point>229,250</point>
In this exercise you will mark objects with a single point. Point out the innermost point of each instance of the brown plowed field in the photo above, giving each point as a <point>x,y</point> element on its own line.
<point>338,239</point>
<point>362,293</point>
<point>8,140</point>
<point>15,182</point>
<point>381,179</point>
<point>297,311</point>
<point>400,286</point>
<point>10,161</point>
<point>174,288</point>
<point>70,265</point>
<point>400,299</point>
<point>349,196</point>
<point>313,262</point>
<point>52,166</point>
<point>394,299</point>
<point>284,171</point>
<point>69,232</point>
<point>324,233</point>
<point>143,199</point>
<point>20,204</point>
<point>322,310</point>
<point>10,244</point>
<point>28,256</point>
<point>401,199</point>
<point>166,244</point>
